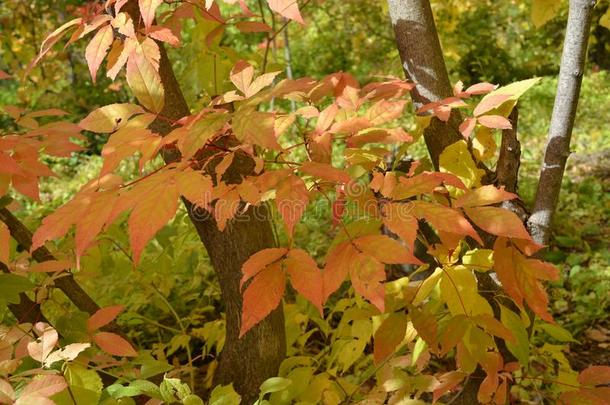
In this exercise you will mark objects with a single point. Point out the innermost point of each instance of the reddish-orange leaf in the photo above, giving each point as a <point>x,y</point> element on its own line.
<point>103,317</point>
<point>4,75</point>
<point>287,8</point>
<point>336,269</point>
<point>367,275</point>
<point>98,48</point>
<point>399,220</point>
<point>447,382</point>
<point>498,221</point>
<point>147,10</point>
<point>467,127</point>
<point>480,88</point>
<point>58,223</point>
<point>494,121</point>
<point>485,195</point>
<point>9,165</point>
<point>90,224</point>
<point>305,276</point>
<point>51,266</point>
<point>259,260</point>
<point>445,219</point>
<point>389,335</point>
<point>291,199</point>
<point>489,103</point>
<point>595,375</point>
<point>384,111</point>
<point>262,296</point>
<point>194,186</point>
<point>385,249</point>
<point>325,171</point>
<point>151,213</point>
<point>5,247</point>
<point>164,35</point>
<point>113,344</point>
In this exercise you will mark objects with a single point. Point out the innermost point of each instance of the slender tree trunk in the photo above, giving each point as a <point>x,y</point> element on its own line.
<point>248,361</point>
<point>424,64</point>
<point>562,121</point>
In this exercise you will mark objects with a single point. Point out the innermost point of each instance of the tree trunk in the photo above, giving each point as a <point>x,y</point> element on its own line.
<point>562,121</point>
<point>248,361</point>
<point>424,64</point>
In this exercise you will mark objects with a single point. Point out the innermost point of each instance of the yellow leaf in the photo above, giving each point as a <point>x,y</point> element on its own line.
<point>456,159</point>
<point>544,11</point>
<point>145,81</point>
<point>605,20</point>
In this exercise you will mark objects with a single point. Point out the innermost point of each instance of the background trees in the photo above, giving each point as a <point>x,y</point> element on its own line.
<point>321,144</point>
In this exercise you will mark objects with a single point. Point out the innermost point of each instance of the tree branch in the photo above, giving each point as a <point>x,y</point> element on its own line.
<point>562,121</point>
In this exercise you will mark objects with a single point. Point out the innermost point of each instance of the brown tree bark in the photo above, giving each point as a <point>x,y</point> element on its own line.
<point>248,361</point>
<point>557,148</point>
<point>423,63</point>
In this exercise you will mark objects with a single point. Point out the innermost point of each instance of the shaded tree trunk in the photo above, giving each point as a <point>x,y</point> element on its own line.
<point>423,63</point>
<point>248,361</point>
<point>557,148</point>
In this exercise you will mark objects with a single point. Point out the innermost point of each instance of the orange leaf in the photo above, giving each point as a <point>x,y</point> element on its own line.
<point>5,246</point>
<point>385,249</point>
<point>595,375</point>
<point>114,344</point>
<point>258,261</point>
<point>445,219</point>
<point>255,127</point>
<point>447,382</point>
<point>103,317</point>
<point>291,200</point>
<point>305,276</point>
<point>98,48</point>
<point>498,221</point>
<point>336,269</point>
<point>485,195</point>
<point>242,75</point>
<point>164,35</point>
<point>389,335</point>
<point>325,171</point>
<point>287,8</point>
<point>51,266</point>
<point>397,217</point>
<point>367,275</point>
<point>262,296</point>
<point>95,217</point>
<point>252,26</point>
<point>494,121</point>
<point>154,209</point>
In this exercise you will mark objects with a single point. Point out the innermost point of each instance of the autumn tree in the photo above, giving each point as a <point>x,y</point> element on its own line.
<point>246,161</point>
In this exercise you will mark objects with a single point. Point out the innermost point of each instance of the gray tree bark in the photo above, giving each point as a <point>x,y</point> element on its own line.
<point>424,64</point>
<point>562,121</point>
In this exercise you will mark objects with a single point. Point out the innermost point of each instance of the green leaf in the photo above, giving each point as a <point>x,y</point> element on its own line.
<point>147,388</point>
<point>192,399</point>
<point>557,332</point>
<point>11,285</point>
<point>117,391</point>
<point>85,386</point>
<point>521,348</point>
<point>224,395</point>
<point>274,384</point>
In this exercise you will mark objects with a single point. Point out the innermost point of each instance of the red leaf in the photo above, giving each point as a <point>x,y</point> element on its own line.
<point>262,296</point>
<point>258,261</point>
<point>305,276</point>
<point>495,121</point>
<point>113,344</point>
<point>595,375</point>
<point>103,317</point>
<point>98,48</point>
<point>4,75</point>
<point>389,335</point>
<point>385,249</point>
<point>498,221</point>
